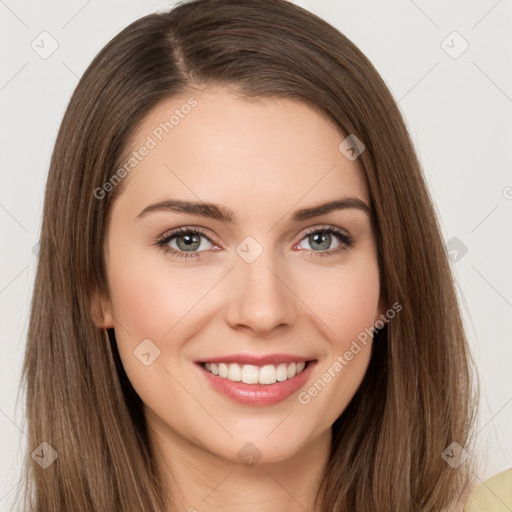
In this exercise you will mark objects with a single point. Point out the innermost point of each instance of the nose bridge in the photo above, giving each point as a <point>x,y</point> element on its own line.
<point>261,299</point>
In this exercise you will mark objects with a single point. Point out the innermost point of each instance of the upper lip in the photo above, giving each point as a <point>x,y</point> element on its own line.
<point>255,359</point>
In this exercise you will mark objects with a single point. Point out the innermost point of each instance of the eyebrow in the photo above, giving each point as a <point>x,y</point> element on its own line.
<point>223,214</point>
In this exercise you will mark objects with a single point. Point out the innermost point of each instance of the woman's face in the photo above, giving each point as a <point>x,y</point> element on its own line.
<point>253,277</point>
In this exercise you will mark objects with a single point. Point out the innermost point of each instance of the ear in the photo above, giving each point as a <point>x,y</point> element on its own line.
<point>101,311</point>
<point>381,309</point>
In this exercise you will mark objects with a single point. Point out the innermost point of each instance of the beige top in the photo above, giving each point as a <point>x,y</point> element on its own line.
<point>493,495</point>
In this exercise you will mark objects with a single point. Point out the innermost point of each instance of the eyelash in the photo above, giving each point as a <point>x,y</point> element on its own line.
<point>347,241</point>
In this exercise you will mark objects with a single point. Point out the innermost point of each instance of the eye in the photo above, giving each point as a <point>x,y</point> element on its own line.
<point>185,242</point>
<point>320,240</point>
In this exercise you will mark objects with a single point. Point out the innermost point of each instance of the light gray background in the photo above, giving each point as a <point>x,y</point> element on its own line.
<point>457,109</point>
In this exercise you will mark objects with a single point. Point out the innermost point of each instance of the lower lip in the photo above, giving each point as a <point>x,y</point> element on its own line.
<point>259,394</point>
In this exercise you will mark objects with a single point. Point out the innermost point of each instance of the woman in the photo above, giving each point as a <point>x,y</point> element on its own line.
<point>243,300</point>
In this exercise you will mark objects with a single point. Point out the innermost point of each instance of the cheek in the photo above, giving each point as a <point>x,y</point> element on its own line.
<point>152,302</point>
<point>157,300</point>
<point>348,309</point>
<point>149,296</point>
<point>346,299</point>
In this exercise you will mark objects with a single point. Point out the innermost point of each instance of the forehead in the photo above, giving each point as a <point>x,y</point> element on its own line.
<point>216,146</point>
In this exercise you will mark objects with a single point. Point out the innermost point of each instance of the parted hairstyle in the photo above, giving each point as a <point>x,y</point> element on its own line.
<point>419,392</point>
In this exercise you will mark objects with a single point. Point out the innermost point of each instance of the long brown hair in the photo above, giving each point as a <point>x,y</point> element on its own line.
<point>418,395</point>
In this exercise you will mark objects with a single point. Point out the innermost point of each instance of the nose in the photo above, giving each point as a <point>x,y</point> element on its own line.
<point>260,297</point>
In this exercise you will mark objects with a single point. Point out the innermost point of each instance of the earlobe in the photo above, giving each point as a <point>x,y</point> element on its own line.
<point>101,311</point>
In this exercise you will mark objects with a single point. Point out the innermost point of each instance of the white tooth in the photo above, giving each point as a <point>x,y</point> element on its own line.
<point>235,372</point>
<point>267,374</point>
<point>281,372</point>
<point>223,370</point>
<point>250,374</point>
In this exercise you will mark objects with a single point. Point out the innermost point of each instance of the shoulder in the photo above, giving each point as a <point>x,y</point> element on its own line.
<point>493,495</point>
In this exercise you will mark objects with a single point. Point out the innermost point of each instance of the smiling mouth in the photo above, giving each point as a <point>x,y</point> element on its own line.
<point>251,374</point>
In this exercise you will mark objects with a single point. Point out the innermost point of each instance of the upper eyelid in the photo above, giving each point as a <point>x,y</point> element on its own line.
<point>325,227</point>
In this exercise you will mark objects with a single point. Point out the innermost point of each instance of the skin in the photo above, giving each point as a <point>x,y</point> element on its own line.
<point>264,160</point>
